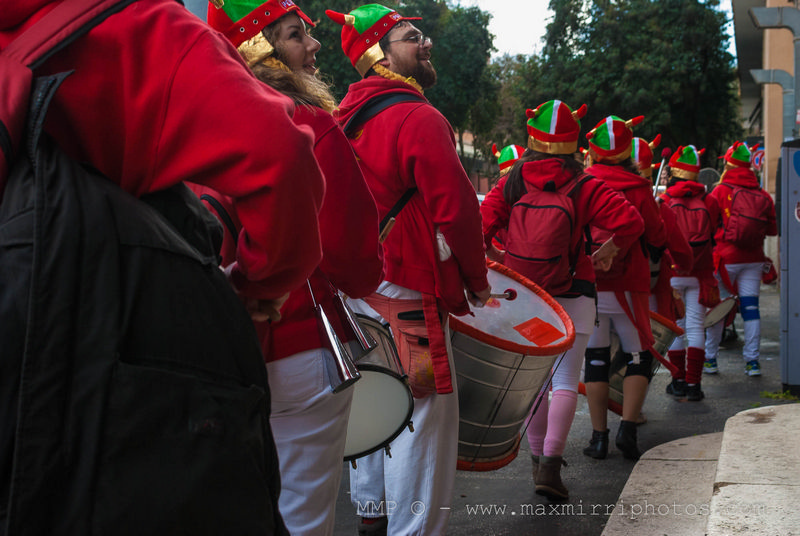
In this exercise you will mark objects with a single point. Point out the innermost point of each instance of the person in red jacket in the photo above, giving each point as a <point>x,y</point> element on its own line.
<point>748,216</point>
<point>433,254</point>
<point>547,168</point>
<point>309,421</point>
<point>622,292</point>
<point>155,97</point>
<point>678,252</point>
<point>698,218</point>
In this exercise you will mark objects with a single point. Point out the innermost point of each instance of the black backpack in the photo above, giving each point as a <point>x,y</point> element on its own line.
<point>134,397</point>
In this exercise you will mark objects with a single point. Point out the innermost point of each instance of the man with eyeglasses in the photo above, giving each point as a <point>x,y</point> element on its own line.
<point>433,260</point>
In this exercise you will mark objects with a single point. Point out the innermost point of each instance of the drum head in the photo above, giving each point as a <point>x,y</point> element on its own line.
<point>381,409</point>
<point>532,323</point>
<point>719,312</point>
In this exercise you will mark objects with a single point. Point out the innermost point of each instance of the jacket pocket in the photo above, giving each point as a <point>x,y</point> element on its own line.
<point>183,455</point>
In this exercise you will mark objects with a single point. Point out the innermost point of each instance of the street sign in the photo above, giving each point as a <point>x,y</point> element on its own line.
<point>757,159</point>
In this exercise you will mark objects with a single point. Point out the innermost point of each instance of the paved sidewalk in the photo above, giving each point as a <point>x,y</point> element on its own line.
<point>742,481</point>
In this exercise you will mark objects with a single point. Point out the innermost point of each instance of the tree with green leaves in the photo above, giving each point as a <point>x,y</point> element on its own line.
<point>664,59</point>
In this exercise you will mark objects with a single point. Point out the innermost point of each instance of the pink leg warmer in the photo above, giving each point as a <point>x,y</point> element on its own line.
<point>537,429</point>
<point>559,421</point>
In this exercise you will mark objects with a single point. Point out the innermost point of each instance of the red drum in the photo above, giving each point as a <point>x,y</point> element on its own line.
<point>664,333</point>
<point>720,311</point>
<point>382,402</point>
<point>504,356</point>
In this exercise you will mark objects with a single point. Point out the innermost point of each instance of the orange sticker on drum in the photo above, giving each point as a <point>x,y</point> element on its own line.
<point>539,332</point>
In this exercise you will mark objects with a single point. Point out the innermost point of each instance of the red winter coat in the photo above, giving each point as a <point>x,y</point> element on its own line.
<point>632,264</point>
<point>352,257</point>
<point>678,256</point>
<point>173,101</point>
<point>730,253</point>
<point>409,145</point>
<point>703,267</point>
<point>595,204</point>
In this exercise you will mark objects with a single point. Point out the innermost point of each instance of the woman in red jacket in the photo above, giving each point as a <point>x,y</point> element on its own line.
<point>308,421</point>
<point>748,216</point>
<point>548,174</point>
<point>622,292</point>
<point>698,218</point>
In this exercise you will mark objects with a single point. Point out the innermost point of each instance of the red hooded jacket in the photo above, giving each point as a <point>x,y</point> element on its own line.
<point>595,204</point>
<point>730,253</point>
<point>632,264</point>
<point>411,144</point>
<point>173,101</point>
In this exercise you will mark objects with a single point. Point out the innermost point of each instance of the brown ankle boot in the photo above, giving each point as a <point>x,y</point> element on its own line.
<point>548,479</point>
<point>535,468</point>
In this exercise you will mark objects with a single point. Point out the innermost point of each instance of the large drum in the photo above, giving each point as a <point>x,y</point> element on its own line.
<point>664,333</point>
<point>382,402</point>
<point>504,356</point>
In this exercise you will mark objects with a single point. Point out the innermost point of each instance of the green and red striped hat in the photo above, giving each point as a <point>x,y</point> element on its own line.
<point>685,162</point>
<point>610,140</point>
<point>362,28</point>
<point>642,155</point>
<point>507,157</point>
<point>554,128</point>
<point>241,20</point>
<point>738,155</point>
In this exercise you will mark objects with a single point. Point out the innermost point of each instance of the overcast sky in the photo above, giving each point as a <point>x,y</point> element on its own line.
<point>518,25</point>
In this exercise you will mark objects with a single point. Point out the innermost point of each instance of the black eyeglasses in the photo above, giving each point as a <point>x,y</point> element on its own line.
<point>419,39</point>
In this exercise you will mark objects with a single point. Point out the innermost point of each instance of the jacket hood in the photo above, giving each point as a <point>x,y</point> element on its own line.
<point>686,189</point>
<point>17,12</point>
<point>363,90</point>
<point>540,172</point>
<point>618,178</point>
<point>743,177</point>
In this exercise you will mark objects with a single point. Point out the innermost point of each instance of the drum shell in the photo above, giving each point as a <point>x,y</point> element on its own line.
<point>664,333</point>
<point>497,389</point>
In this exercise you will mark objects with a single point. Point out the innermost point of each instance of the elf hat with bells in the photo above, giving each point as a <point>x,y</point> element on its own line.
<point>642,155</point>
<point>685,162</point>
<point>241,21</point>
<point>362,28</point>
<point>507,156</point>
<point>611,139</point>
<point>738,156</point>
<point>553,127</point>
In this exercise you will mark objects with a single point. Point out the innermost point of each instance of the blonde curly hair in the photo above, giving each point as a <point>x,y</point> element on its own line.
<point>303,88</point>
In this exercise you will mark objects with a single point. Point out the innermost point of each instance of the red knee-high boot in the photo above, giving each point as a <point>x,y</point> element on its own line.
<point>677,387</point>
<point>695,357</point>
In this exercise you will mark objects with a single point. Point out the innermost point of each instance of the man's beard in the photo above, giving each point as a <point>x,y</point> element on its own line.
<point>425,74</point>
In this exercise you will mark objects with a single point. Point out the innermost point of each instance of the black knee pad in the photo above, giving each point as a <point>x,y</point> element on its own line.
<point>643,368</point>
<point>598,364</point>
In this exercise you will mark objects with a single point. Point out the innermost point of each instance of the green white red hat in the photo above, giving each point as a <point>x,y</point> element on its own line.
<point>507,156</point>
<point>685,162</point>
<point>362,28</point>
<point>738,155</point>
<point>241,21</point>
<point>642,155</point>
<point>610,140</point>
<point>554,128</point>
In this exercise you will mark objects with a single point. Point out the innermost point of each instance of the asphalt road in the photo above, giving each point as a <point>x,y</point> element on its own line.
<point>503,503</point>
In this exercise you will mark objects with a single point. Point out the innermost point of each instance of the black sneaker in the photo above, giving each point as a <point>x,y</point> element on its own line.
<point>693,393</point>
<point>677,388</point>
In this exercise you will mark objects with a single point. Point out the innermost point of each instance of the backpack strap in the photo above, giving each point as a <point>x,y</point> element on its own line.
<point>388,221</point>
<point>374,106</point>
<point>68,21</point>
<point>223,214</point>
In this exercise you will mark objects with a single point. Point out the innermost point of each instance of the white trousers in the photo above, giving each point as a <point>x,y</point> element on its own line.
<point>611,314</point>
<point>748,278</point>
<point>309,424</point>
<point>413,488</point>
<point>692,323</point>
<point>568,370</point>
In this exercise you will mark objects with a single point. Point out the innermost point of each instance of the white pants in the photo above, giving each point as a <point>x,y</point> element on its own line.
<point>414,487</point>
<point>309,424</point>
<point>692,323</point>
<point>748,278</point>
<point>611,314</point>
<point>568,370</point>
